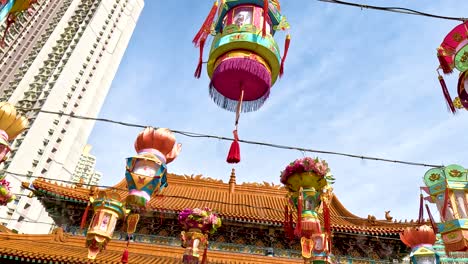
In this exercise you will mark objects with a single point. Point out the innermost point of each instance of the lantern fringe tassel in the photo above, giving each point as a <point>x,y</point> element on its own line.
<point>265,17</point>
<point>246,65</point>
<point>125,256</point>
<point>9,21</point>
<point>85,216</point>
<point>448,99</point>
<point>298,230</point>
<point>198,71</point>
<point>287,41</point>
<point>205,29</point>
<point>205,255</point>
<point>124,259</point>
<point>231,105</point>
<point>431,218</point>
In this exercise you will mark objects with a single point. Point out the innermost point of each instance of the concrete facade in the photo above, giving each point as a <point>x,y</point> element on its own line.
<point>63,58</point>
<point>85,169</point>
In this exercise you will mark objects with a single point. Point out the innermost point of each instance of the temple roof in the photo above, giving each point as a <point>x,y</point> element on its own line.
<point>261,203</point>
<point>60,247</point>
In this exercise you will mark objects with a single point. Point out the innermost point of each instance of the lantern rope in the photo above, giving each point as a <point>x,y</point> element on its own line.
<point>394,9</point>
<point>251,142</point>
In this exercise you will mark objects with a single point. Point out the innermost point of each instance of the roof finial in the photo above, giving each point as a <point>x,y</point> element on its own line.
<point>232,181</point>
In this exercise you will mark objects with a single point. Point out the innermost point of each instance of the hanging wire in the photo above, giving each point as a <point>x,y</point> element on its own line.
<point>265,144</point>
<point>400,10</point>
<point>164,195</point>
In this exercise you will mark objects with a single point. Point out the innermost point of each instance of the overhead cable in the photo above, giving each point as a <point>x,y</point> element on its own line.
<point>265,144</point>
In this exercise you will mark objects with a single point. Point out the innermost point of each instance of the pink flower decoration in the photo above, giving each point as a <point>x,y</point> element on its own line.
<point>307,164</point>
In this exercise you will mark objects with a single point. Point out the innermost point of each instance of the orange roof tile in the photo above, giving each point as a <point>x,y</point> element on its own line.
<point>70,249</point>
<point>254,202</point>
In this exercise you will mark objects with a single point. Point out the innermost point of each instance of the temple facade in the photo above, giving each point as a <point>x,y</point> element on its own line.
<point>252,231</point>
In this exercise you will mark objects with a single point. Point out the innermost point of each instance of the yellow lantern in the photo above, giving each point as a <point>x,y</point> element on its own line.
<point>11,125</point>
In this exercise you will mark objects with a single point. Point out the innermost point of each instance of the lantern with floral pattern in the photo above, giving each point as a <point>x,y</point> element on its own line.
<point>308,183</point>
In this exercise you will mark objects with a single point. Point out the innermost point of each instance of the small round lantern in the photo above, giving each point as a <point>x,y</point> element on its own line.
<point>420,240</point>
<point>308,183</point>
<point>107,211</point>
<point>197,225</point>
<point>11,125</point>
<point>146,173</point>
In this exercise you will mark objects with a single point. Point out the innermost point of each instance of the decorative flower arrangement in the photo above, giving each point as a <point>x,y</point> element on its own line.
<point>5,195</point>
<point>307,164</point>
<point>205,219</point>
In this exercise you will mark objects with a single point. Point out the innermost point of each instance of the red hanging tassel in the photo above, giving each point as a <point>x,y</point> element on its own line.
<point>298,231</point>
<point>205,29</point>
<point>421,209</point>
<point>200,60</point>
<point>433,223</point>
<point>446,94</point>
<point>10,21</point>
<point>85,216</point>
<point>265,17</point>
<point>285,53</point>
<point>290,227</point>
<point>125,256</point>
<point>444,65</point>
<point>205,254</point>
<point>234,151</point>
<point>446,202</point>
<point>286,219</point>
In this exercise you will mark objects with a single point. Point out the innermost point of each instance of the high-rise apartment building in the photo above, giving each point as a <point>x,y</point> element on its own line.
<point>85,169</point>
<point>62,58</point>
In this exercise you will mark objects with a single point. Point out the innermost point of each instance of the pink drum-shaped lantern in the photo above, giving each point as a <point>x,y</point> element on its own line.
<point>245,60</point>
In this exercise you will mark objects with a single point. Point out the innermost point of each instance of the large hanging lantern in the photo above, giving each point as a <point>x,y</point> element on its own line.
<point>18,7</point>
<point>146,173</point>
<point>308,183</point>
<point>453,54</point>
<point>107,211</point>
<point>197,224</point>
<point>244,60</point>
<point>448,189</point>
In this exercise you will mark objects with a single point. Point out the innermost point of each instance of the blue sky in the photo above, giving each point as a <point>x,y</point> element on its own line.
<point>356,81</point>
